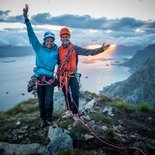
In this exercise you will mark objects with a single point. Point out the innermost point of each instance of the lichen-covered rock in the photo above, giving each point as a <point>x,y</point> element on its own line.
<point>59,140</point>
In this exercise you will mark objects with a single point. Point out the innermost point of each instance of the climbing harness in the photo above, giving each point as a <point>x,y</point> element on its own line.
<point>62,74</point>
<point>41,80</point>
<point>32,85</point>
<point>44,80</point>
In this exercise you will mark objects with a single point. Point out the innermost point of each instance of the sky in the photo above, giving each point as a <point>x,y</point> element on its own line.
<point>124,22</point>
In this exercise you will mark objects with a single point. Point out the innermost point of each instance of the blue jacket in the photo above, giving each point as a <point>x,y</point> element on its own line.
<point>46,58</point>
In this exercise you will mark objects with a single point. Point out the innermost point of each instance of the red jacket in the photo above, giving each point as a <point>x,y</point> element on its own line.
<point>71,64</point>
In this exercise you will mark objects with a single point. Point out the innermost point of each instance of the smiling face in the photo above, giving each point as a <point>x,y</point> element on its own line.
<point>49,43</point>
<point>65,38</point>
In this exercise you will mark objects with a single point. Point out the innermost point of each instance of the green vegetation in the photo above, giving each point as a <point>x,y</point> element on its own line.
<point>4,116</point>
<point>117,102</point>
<point>100,117</point>
<point>144,107</point>
<point>25,111</point>
<point>104,98</point>
<point>109,133</point>
<point>7,127</point>
<point>64,124</point>
<point>81,128</point>
<point>77,152</point>
<point>90,95</point>
<point>58,113</point>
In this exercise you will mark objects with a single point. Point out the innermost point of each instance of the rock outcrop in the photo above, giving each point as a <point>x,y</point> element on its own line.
<point>112,121</point>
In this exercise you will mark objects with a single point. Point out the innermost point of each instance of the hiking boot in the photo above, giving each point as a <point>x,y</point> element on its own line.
<point>68,114</point>
<point>55,125</point>
<point>50,122</point>
<point>76,117</point>
<point>43,123</point>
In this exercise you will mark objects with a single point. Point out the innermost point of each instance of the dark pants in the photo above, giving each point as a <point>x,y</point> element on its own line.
<point>45,98</point>
<point>72,96</point>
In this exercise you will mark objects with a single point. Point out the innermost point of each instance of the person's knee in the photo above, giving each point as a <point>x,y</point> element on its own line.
<point>49,105</point>
<point>75,94</point>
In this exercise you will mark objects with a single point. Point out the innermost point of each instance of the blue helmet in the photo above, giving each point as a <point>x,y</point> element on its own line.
<point>49,35</point>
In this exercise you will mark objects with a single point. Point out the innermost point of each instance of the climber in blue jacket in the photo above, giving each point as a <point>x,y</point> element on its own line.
<point>46,60</point>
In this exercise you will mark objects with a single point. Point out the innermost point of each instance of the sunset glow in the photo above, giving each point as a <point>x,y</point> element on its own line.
<point>106,53</point>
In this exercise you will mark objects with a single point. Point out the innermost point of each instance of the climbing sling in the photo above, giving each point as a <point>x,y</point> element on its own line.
<point>62,74</point>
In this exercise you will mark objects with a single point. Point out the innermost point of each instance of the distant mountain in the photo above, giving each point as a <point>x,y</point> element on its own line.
<point>126,50</point>
<point>15,51</point>
<point>140,57</point>
<point>140,86</point>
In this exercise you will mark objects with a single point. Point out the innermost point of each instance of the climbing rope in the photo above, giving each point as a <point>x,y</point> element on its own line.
<point>64,77</point>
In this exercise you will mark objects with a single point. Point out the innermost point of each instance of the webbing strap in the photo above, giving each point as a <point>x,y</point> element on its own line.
<point>62,67</point>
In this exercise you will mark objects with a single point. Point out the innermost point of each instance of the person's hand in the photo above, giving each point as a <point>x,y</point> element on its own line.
<point>105,46</point>
<point>25,11</point>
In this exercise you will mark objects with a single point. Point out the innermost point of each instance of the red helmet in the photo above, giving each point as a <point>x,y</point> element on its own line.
<point>64,31</point>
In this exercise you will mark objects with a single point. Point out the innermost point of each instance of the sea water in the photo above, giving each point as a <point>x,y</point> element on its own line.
<point>15,72</point>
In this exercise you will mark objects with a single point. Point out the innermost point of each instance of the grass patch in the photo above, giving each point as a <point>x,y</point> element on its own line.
<point>126,107</point>
<point>107,119</point>
<point>28,117</point>
<point>77,152</point>
<point>90,94</point>
<point>64,124</point>
<point>81,128</point>
<point>100,117</point>
<point>28,106</point>
<point>27,110</point>
<point>109,133</point>
<point>117,102</point>
<point>58,113</point>
<point>144,107</point>
<point>7,127</point>
<point>104,98</point>
<point>4,116</point>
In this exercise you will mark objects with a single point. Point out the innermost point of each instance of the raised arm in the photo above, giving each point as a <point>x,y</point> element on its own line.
<point>83,51</point>
<point>32,37</point>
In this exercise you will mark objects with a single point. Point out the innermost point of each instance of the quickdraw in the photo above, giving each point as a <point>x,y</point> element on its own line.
<point>35,81</point>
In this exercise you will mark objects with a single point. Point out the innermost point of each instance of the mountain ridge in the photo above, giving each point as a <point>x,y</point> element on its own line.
<point>140,86</point>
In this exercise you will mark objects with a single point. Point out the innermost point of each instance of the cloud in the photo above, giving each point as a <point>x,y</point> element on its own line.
<point>87,22</point>
<point>74,21</point>
<point>4,17</point>
<point>85,29</point>
<point>4,13</point>
<point>80,37</point>
<point>13,37</point>
<point>12,19</point>
<point>125,24</point>
<point>150,24</point>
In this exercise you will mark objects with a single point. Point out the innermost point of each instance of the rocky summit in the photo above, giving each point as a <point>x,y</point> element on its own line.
<point>105,127</point>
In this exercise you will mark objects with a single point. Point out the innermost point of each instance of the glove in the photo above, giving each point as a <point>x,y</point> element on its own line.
<point>105,47</point>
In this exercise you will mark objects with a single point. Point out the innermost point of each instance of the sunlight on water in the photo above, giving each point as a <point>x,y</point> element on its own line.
<point>16,71</point>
